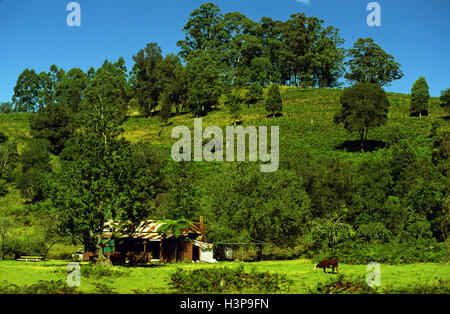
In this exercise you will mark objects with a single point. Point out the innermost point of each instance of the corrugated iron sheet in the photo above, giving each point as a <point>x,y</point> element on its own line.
<point>147,230</point>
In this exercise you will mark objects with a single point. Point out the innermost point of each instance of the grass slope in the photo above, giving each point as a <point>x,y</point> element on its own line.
<point>155,279</point>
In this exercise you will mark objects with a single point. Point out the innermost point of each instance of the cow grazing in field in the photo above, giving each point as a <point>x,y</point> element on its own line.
<point>326,263</point>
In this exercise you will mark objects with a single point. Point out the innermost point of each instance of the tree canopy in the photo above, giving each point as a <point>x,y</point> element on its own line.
<point>364,105</point>
<point>370,63</point>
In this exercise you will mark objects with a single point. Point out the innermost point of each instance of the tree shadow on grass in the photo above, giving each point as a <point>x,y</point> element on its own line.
<point>355,146</point>
<point>276,115</point>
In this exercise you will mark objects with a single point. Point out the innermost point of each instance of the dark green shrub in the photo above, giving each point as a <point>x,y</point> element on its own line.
<point>3,188</point>
<point>41,287</point>
<point>98,271</point>
<point>442,287</point>
<point>227,280</point>
<point>254,94</point>
<point>274,103</point>
<point>343,285</point>
<point>374,232</point>
<point>420,96</point>
<point>445,99</point>
<point>31,245</point>
<point>421,251</point>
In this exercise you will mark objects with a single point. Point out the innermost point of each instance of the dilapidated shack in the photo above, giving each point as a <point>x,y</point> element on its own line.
<point>147,244</point>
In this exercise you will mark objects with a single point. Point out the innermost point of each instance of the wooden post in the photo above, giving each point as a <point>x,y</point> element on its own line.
<point>145,251</point>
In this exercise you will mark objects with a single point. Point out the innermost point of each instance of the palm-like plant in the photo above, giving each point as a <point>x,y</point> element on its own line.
<point>174,228</point>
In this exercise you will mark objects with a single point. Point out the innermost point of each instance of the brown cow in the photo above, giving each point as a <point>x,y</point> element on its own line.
<point>326,263</point>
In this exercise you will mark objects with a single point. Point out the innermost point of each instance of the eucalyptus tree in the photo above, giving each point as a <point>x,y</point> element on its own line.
<point>368,62</point>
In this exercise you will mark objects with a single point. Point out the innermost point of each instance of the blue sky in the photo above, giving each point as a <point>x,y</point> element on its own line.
<point>34,33</point>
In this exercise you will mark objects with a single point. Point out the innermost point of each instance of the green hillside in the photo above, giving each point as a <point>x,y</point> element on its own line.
<point>305,127</point>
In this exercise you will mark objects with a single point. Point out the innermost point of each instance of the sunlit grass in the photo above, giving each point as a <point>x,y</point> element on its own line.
<point>156,277</point>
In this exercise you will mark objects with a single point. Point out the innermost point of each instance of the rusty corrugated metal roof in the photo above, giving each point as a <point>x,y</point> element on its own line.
<point>148,230</point>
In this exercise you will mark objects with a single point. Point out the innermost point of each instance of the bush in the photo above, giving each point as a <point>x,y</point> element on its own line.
<point>274,103</point>
<point>420,96</point>
<point>343,285</point>
<point>227,280</point>
<point>31,245</point>
<point>254,94</point>
<point>442,287</point>
<point>41,287</point>
<point>98,271</point>
<point>421,251</point>
<point>3,188</point>
<point>374,232</point>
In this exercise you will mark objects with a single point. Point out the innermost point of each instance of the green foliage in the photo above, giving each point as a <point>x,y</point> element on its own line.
<point>69,92</point>
<point>441,287</point>
<point>29,245</point>
<point>359,252</point>
<point>254,94</point>
<point>203,30</point>
<point>145,78</point>
<point>182,195</point>
<point>204,87</point>
<point>310,53</point>
<point>370,63</point>
<point>8,157</point>
<point>274,103</point>
<point>364,105</point>
<point>445,99</point>
<point>36,156</point>
<point>6,107</point>
<point>343,285</point>
<point>174,228</point>
<point>174,85</point>
<point>420,96</point>
<point>228,280</point>
<point>52,123</point>
<point>26,92</point>
<point>98,272</point>
<point>248,206</point>
<point>41,287</point>
<point>233,103</point>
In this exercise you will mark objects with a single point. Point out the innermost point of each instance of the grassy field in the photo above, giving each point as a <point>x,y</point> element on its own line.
<point>128,280</point>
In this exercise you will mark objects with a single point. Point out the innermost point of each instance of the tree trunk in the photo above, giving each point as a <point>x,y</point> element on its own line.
<point>259,252</point>
<point>362,141</point>
<point>101,258</point>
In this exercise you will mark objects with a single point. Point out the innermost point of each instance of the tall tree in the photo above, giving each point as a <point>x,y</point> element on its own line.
<point>34,91</point>
<point>370,63</point>
<point>364,105</point>
<point>310,53</point>
<point>52,123</point>
<point>174,84</point>
<point>274,103</point>
<point>70,91</point>
<point>102,179</point>
<point>270,34</point>
<point>146,78</point>
<point>204,87</point>
<point>26,92</point>
<point>420,96</point>
<point>203,31</point>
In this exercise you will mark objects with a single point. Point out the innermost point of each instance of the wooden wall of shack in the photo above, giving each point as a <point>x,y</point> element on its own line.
<point>168,251</point>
